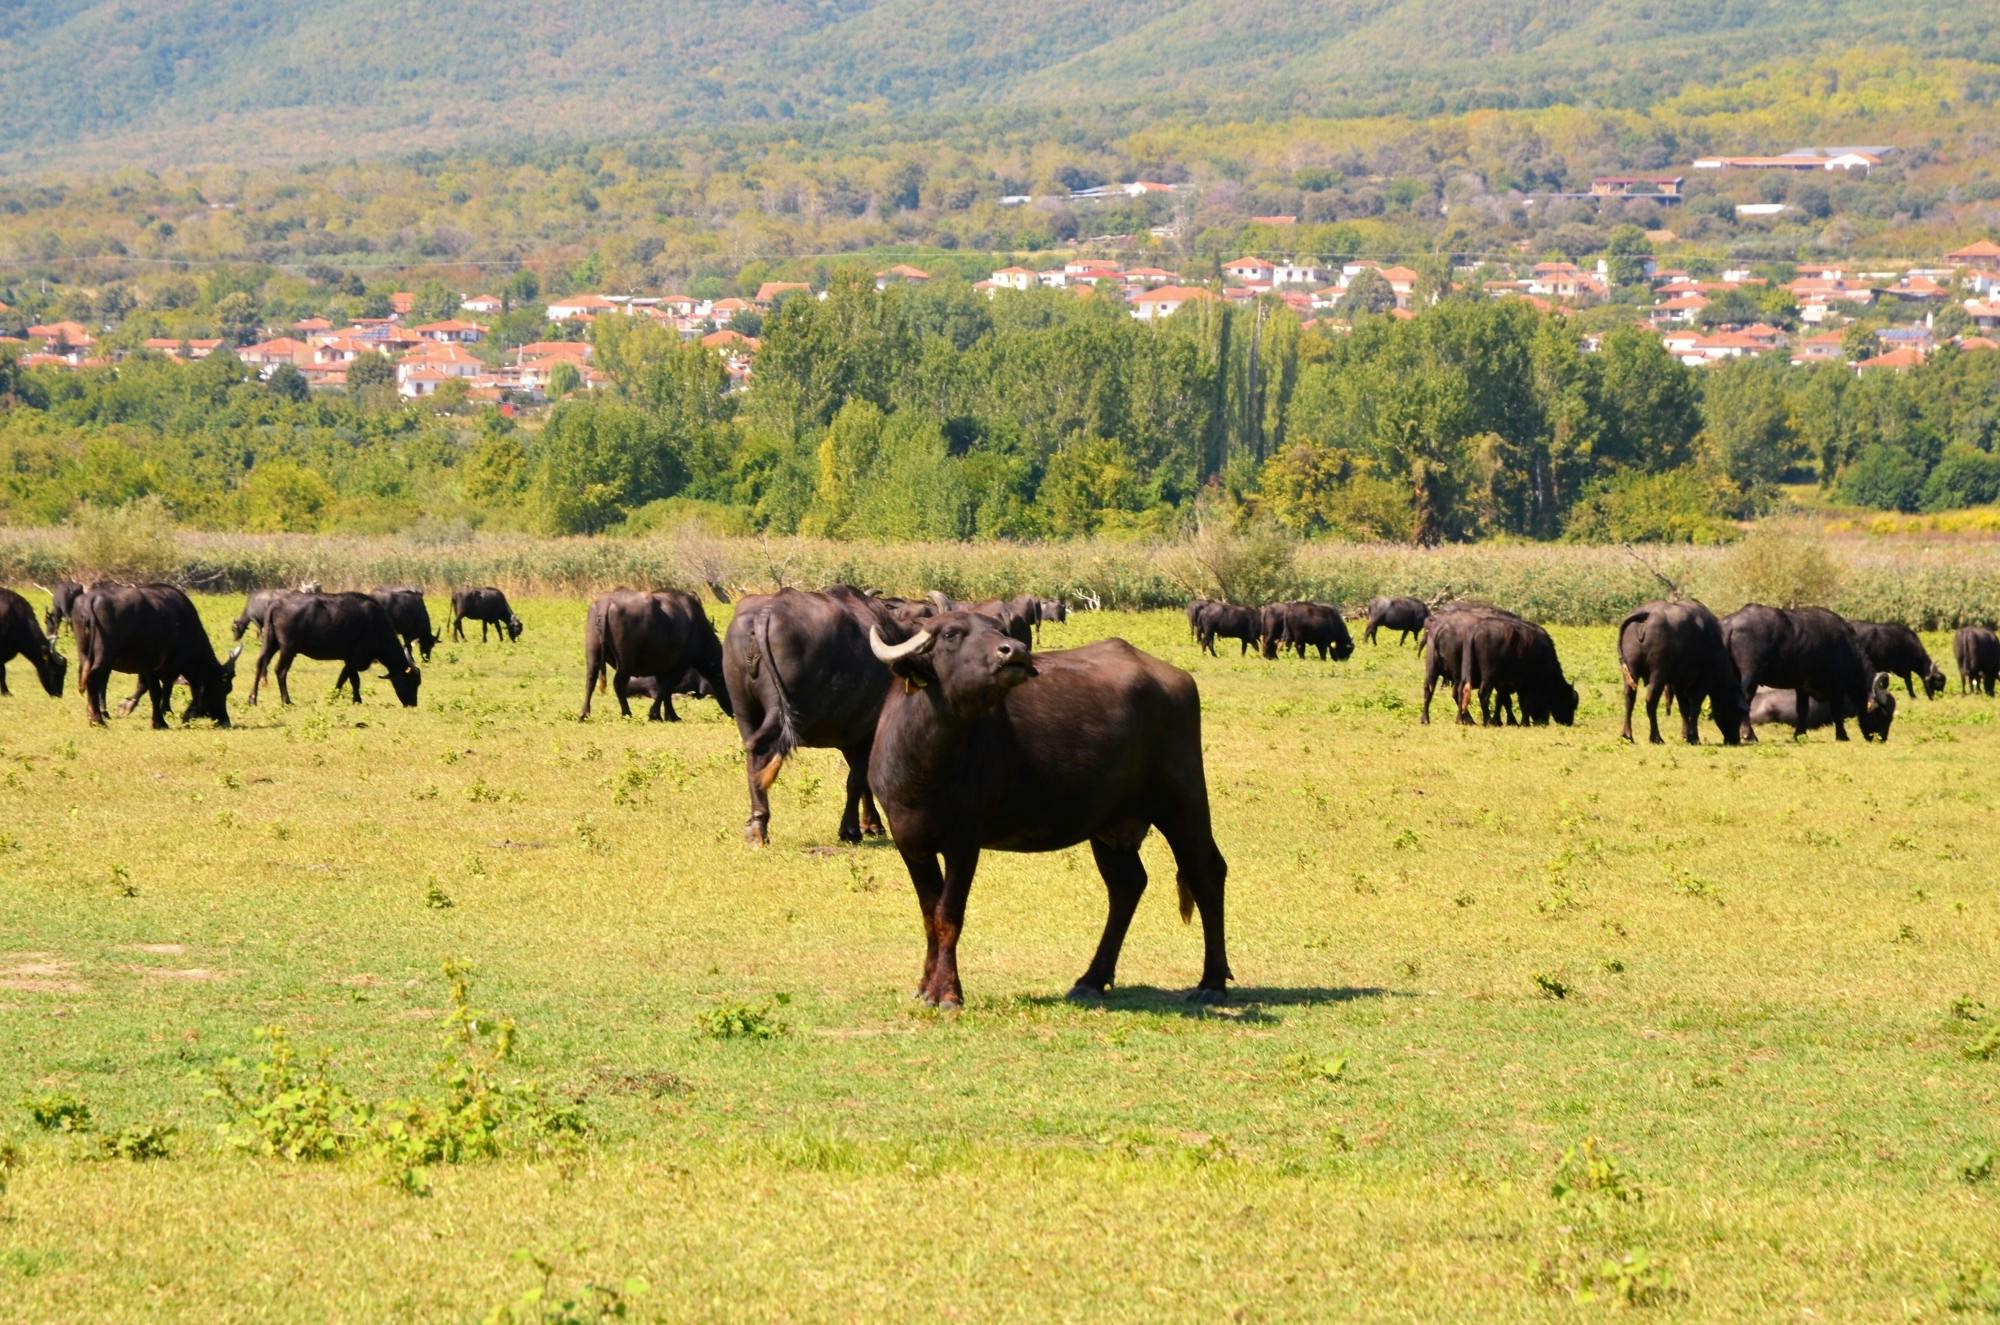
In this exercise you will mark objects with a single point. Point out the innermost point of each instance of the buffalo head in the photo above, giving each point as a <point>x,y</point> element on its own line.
<point>1879,711</point>
<point>970,661</point>
<point>402,673</point>
<point>51,668</point>
<point>210,699</point>
<point>1934,682</point>
<point>513,626</point>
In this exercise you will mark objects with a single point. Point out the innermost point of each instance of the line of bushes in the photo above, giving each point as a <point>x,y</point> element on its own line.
<point>1929,586</point>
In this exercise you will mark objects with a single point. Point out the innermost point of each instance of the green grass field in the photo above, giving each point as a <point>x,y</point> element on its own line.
<point>1743,991</point>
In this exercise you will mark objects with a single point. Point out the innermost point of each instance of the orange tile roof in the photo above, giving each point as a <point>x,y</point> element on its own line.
<point>1984,248</point>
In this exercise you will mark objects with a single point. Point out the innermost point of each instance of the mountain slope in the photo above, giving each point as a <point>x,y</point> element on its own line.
<point>108,82</point>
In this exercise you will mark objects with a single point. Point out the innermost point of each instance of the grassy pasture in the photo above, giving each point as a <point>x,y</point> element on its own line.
<point>1771,963</point>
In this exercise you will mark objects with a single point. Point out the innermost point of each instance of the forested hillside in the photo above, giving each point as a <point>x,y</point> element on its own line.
<point>197,81</point>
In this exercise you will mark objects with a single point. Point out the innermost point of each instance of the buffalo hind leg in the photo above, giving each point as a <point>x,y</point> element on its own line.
<point>1201,873</point>
<point>1691,719</point>
<point>762,767</point>
<point>1124,883</point>
<point>857,815</point>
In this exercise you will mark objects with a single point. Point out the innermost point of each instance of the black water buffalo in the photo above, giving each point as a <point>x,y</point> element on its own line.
<point>1197,607</point>
<point>62,603</point>
<point>1892,647</point>
<point>799,672</point>
<point>660,698</point>
<point>1772,706</point>
<point>1230,621</point>
<point>1404,614</point>
<point>1047,610</point>
<point>985,745</point>
<point>257,610</point>
<point>1676,649</point>
<point>1017,616</point>
<point>1503,655</point>
<point>20,638</point>
<point>411,617</point>
<point>151,630</point>
<point>1976,649</point>
<point>349,628</point>
<point>486,606</point>
<point>1807,649</point>
<point>663,634</point>
<point>1301,626</point>
<point>1445,633</point>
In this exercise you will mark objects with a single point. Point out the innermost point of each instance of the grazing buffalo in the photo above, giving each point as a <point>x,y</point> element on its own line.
<point>1503,655</point>
<point>411,617</point>
<point>1302,626</point>
<point>1676,648</point>
<point>1807,649</point>
<point>62,603</point>
<point>1892,647</point>
<point>19,638</point>
<point>1445,633</point>
<point>691,683</point>
<point>799,672</point>
<point>1976,649</point>
<point>1049,609</point>
<point>985,745</point>
<point>349,628</point>
<point>486,606</point>
<point>634,633</point>
<point>151,630</point>
<point>257,610</point>
<point>1404,614</point>
<point>1230,621</point>
<point>1771,706</point>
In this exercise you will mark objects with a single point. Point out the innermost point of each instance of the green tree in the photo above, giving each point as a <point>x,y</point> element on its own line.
<point>282,496</point>
<point>564,378</point>
<point>1625,252</point>
<point>370,369</point>
<point>287,383</point>
<point>1746,423</point>
<point>238,317</point>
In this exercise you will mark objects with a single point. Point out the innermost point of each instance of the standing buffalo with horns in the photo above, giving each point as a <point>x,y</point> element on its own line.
<point>983,744</point>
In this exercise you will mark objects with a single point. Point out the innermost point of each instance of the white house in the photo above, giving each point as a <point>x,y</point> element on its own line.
<point>1295,273</point>
<point>1249,271</point>
<point>1165,301</point>
<point>1014,278</point>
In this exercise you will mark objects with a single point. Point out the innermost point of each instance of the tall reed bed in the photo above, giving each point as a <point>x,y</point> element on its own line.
<point>1929,585</point>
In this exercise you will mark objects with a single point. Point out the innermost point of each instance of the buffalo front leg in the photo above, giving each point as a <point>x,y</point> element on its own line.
<point>944,990</point>
<point>1124,884</point>
<point>926,878</point>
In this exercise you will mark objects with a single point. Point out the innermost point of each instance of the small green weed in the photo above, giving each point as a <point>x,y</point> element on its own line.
<point>1976,1167</point>
<point>58,1112</point>
<point>1586,1171</point>
<point>554,1302</point>
<point>1549,985</point>
<point>436,898</point>
<point>741,1021</point>
<point>136,1142</point>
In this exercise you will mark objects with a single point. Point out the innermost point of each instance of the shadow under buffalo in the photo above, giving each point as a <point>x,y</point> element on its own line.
<point>1248,1002</point>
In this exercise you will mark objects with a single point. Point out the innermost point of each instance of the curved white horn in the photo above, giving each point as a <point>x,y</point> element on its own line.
<point>888,653</point>
<point>232,654</point>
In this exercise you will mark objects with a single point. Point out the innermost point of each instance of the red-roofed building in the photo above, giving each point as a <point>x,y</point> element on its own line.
<point>1983,255</point>
<point>770,291</point>
<point>452,329</point>
<point>305,326</point>
<point>578,351</point>
<point>270,353</point>
<point>1895,361</point>
<point>901,273</point>
<point>1826,347</point>
<point>722,311</point>
<point>1013,278</point>
<point>182,349</point>
<point>1249,271</point>
<point>1165,301</point>
<point>401,302</point>
<point>483,303</point>
<point>62,335</point>
<point>578,307</point>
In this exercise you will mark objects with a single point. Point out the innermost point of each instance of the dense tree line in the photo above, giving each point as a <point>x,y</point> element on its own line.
<point>936,412</point>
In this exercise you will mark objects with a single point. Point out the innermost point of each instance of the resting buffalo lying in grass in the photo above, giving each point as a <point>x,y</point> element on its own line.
<point>1772,706</point>
<point>983,744</point>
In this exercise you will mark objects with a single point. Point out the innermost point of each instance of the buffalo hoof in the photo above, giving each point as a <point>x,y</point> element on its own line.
<point>754,834</point>
<point>1656,740</point>
<point>874,830</point>
<point>1203,996</point>
<point>1083,993</point>
<point>851,836</point>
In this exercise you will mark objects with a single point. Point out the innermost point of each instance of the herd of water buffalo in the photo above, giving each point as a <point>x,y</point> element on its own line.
<point>927,701</point>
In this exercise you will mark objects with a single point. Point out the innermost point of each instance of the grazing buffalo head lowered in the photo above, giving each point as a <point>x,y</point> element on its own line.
<point>404,677</point>
<point>966,657</point>
<point>210,699</point>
